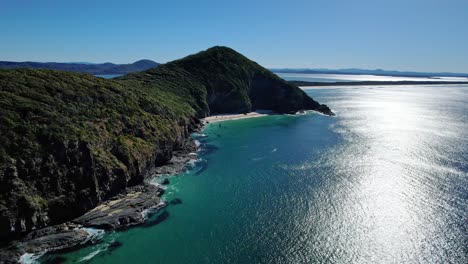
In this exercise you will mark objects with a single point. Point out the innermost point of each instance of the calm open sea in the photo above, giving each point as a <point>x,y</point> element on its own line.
<point>317,77</point>
<point>385,181</point>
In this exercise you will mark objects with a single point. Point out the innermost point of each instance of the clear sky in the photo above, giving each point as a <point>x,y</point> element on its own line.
<point>419,35</point>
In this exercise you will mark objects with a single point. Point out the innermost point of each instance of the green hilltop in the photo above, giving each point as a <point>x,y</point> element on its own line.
<point>231,82</point>
<point>70,140</point>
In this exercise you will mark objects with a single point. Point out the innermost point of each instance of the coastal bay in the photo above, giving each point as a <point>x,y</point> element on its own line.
<point>79,149</point>
<point>193,132</point>
<point>307,188</point>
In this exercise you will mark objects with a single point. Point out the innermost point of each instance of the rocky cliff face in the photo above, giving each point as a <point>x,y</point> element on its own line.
<point>68,179</point>
<point>69,141</point>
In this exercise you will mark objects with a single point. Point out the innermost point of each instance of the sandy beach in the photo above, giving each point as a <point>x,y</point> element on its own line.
<point>226,117</point>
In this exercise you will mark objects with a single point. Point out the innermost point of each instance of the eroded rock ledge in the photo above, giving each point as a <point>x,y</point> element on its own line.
<point>124,210</point>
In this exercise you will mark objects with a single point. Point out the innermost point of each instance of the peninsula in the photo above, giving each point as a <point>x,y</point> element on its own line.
<point>75,150</point>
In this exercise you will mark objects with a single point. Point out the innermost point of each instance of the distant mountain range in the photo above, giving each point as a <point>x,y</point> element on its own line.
<point>98,68</point>
<point>142,65</point>
<point>372,72</point>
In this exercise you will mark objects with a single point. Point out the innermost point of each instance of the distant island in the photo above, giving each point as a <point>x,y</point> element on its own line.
<point>143,65</point>
<point>72,141</point>
<point>378,72</point>
<point>90,68</point>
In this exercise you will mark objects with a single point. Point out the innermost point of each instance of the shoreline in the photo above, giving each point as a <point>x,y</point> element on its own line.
<point>124,210</point>
<point>227,117</point>
<point>127,209</point>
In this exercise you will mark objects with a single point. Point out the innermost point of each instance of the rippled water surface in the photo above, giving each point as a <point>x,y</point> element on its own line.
<point>386,181</point>
<point>318,77</point>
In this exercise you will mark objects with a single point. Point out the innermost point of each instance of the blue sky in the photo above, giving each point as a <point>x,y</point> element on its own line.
<point>395,35</point>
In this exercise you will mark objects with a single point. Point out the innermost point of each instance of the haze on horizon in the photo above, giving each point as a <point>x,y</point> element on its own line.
<point>426,36</point>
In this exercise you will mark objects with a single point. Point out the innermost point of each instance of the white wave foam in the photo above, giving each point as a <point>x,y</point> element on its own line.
<point>197,143</point>
<point>94,234</point>
<point>28,258</point>
<point>192,163</point>
<point>173,189</point>
<point>147,211</point>
<point>91,255</point>
<point>258,158</point>
<point>154,182</point>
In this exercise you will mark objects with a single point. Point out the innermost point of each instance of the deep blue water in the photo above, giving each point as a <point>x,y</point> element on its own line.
<point>385,181</point>
<point>318,77</point>
<point>315,77</point>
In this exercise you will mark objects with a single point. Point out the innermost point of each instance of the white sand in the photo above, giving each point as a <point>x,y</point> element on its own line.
<point>225,117</point>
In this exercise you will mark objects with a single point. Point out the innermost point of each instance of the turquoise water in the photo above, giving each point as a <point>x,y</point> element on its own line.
<point>386,181</point>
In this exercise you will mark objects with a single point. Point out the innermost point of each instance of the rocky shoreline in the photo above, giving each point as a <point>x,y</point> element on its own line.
<point>126,209</point>
<point>72,142</point>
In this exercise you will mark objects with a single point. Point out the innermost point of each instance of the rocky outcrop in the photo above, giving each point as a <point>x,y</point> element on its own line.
<point>271,93</point>
<point>124,210</point>
<point>69,181</point>
<point>51,238</point>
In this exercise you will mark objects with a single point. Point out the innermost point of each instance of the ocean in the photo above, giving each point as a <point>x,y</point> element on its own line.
<point>317,77</point>
<point>385,181</point>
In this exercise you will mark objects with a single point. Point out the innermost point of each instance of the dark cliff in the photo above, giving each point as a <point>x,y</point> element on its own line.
<point>68,141</point>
